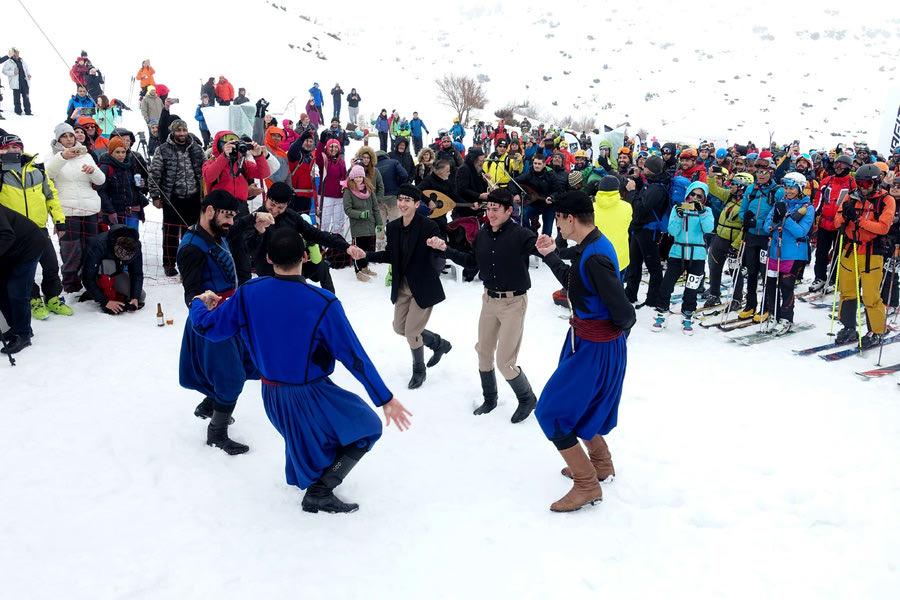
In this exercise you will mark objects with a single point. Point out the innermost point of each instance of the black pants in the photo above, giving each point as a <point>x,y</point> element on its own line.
<point>785,287</point>
<point>239,251</point>
<point>365,242</point>
<point>178,215</point>
<point>643,249</point>
<point>824,245</point>
<point>320,273</point>
<point>889,289</point>
<point>302,204</point>
<point>16,280</point>
<point>337,111</point>
<point>20,98</point>
<point>417,144</point>
<point>718,259</point>
<point>383,140</point>
<point>51,285</point>
<point>674,268</point>
<point>754,246</point>
<point>206,137</point>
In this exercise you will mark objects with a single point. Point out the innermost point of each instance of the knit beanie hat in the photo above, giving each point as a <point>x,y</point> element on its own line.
<point>115,143</point>
<point>356,171</point>
<point>609,183</point>
<point>60,129</point>
<point>575,178</point>
<point>655,164</point>
<point>177,124</point>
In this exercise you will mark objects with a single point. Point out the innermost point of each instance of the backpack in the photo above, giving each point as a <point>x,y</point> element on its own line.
<point>677,192</point>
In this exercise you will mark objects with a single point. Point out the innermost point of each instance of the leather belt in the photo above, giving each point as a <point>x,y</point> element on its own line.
<point>494,294</point>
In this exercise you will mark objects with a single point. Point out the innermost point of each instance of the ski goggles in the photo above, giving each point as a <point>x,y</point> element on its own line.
<point>764,170</point>
<point>229,137</point>
<point>865,185</point>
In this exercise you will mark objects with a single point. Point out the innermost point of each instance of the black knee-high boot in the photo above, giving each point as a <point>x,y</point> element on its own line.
<point>320,495</point>
<point>489,390</point>
<point>217,434</point>
<point>418,375</point>
<point>437,344</point>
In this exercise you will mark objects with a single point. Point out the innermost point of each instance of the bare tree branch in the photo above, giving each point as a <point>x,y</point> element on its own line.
<point>461,93</point>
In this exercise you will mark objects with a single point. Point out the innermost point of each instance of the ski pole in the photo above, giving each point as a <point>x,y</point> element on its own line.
<point>777,275</point>
<point>858,295</point>
<point>837,281</point>
<point>890,295</point>
<point>734,275</point>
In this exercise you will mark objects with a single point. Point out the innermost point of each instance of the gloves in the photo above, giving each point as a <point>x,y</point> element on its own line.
<point>379,228</point>
<point>364,214</point>
<point>749,220</point>
<point>779,212</point>
<point>848,209</point>
<point>679,210</point>
<point>798,216</point>
<point>697,206</point>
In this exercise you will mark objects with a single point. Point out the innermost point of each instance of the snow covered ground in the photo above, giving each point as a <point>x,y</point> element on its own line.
<point>743,472</point>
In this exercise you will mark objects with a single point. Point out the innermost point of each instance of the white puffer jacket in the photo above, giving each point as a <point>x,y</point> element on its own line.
<point>77,197</point>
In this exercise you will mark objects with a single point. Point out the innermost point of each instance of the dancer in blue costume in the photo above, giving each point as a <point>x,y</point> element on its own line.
<point>326,429</point>
<point>581,399</point>
<point>216,370</point>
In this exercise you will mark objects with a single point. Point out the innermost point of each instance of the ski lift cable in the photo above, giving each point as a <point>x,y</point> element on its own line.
<point>36,24</point>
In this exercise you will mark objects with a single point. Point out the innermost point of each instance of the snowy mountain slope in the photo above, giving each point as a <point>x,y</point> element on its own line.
<point>742,472</point>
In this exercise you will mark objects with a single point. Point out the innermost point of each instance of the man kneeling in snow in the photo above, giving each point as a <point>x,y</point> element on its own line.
<point>113,271</point>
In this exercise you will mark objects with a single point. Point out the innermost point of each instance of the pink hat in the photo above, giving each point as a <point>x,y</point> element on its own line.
<point>356,171</point>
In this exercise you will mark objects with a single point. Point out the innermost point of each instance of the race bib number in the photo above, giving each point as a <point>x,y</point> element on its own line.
<point>693,281</point>
<point>763,256</point>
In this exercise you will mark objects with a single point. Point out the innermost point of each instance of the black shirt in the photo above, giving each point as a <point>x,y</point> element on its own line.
<point>501,256</point>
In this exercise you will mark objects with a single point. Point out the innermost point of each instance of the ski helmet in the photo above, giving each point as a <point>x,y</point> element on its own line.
<point>742,179</point>
<point>721,153</point>
<point>581,154</point>
<point>843,159</point>
<point>868,173</point>
<point>752,156</point>
<point>796,180</point>
<point>688,153</point>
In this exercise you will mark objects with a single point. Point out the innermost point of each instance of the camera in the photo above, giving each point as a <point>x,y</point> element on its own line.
<point>89,111</point>
<point>174,100</point>
<point>11,161</point>
<point>142,136</point>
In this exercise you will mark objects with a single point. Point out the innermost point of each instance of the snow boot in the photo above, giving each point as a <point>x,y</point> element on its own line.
<point>847,334</point>
<point>872,339</point>
<point>712,301</point>
<point>781,327</point>
<point>747,313</point>
<point>39,309</point>
<point>16,343</point>
<point>600,457</point>
<point>817,285</point>
<point>320,495</point>
<point>436,343</point>
<point>586,489</point>
<point>362,276</point>
<point>418,375</point>
<point>761,317</point>
<point>217,435</point>
<point>489,390</point>
<point>525,395</point>
<point>660,322</point>
<point>205,410</point>
<point>687,323</point>
<point>57,305</point>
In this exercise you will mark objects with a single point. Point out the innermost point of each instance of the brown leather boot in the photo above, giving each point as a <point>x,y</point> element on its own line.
<point>586,489</point>
<point>600,458</point>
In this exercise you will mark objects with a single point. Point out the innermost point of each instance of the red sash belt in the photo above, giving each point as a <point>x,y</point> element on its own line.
<point>595,330</point>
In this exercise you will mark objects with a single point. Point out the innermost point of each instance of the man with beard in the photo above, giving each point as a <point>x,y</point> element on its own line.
<point>500,252</point>
<point>833,191</point>
<point>216,369</point>
<point>471,184</point>
<point>301,166</point>
<point>176,173</point>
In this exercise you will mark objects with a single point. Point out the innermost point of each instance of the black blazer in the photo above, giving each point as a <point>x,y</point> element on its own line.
<point>421,265</point>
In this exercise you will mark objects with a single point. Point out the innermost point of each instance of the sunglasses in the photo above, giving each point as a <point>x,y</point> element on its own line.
<point>865,185</point>
<point>696,195</point>
<point>739,163</point>
<point>763,170</point>
<point>90,127</point>
<point>667,152</point>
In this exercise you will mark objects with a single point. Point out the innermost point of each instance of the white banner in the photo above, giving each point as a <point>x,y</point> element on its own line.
<point>889,132</point>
